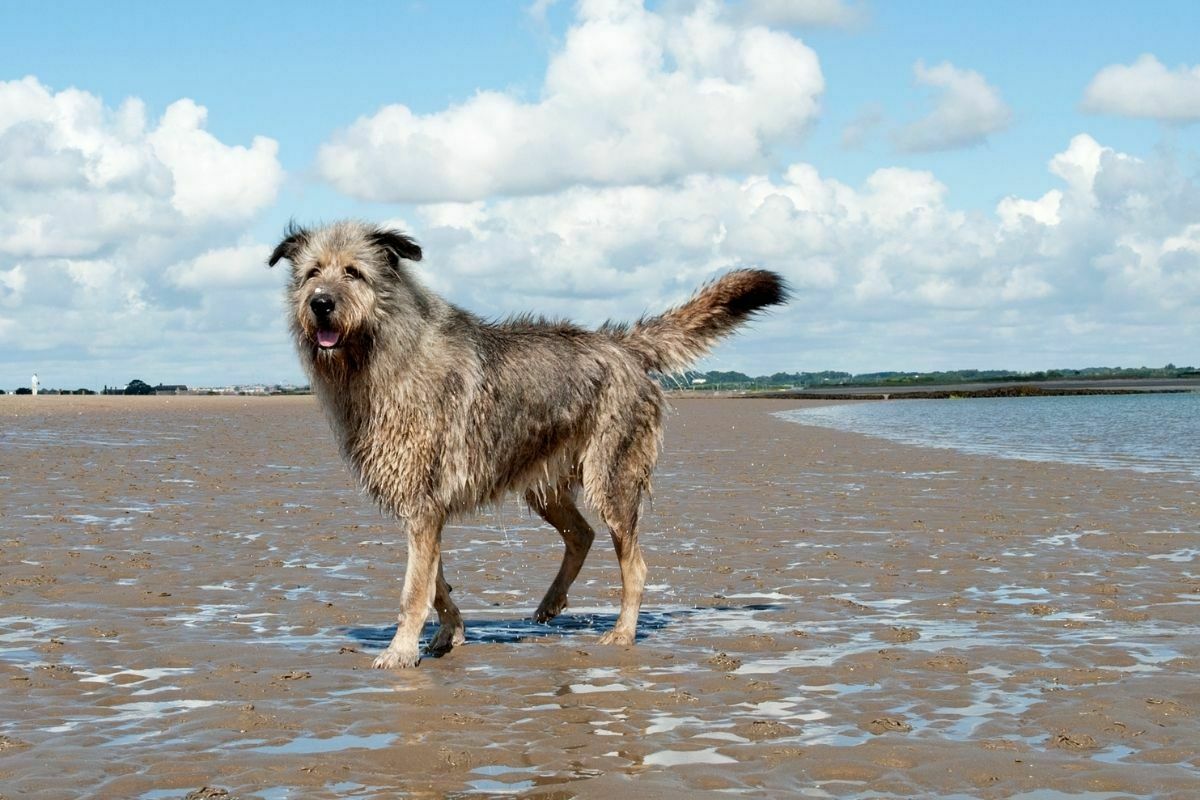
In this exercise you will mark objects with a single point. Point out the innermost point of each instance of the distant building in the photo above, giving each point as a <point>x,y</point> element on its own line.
<point>170,389</point>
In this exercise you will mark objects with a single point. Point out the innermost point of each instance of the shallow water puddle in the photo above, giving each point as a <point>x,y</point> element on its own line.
<point>499,787</point>
<point>664,723</point>
<point>106,723</point>
<point>988,705</point>
<point>675,758</point>
<point>1183,556</point>
<point>884,603</point>
<point>315,744</point>
<point>491,770</point>
<point>590,688</point>
<point>144,675</point>
<point>1010,595</point>
<point>724,736</point>
<point>22,634</point>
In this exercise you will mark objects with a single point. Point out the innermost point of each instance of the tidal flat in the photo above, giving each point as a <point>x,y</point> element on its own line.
<point>192,591</point>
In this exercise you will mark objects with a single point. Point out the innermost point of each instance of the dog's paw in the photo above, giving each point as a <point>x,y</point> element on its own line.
<point>549,608</point>
<point>617,637</point>
<point>446,639</point>
<point>394,657</point>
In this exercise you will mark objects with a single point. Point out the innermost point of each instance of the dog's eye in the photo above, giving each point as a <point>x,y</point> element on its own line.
<point>312,273</point>
<point>353,273</point>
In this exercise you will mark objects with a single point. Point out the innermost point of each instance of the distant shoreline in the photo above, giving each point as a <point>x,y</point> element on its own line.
<point>833,393</point>
<point>954,391</point>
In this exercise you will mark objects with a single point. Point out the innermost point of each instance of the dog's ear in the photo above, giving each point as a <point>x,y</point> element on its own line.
<point>294,238</point>
<point>397,246</point>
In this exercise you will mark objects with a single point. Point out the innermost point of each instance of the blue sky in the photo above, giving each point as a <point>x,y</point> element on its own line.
<point>911,243</point>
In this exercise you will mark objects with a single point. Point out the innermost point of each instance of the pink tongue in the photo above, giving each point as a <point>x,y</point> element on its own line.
<point>327,338</point>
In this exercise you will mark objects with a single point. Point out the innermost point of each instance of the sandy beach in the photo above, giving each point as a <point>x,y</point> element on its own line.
<point>192,593</point>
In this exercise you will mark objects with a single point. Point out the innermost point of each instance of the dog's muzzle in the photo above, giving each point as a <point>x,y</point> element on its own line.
<point>322,306</point>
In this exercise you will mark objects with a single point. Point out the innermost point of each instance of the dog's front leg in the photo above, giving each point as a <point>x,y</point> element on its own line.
<point>420,582</point>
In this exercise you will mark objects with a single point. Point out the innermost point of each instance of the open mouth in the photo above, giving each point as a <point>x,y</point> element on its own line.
<point>328,338</point>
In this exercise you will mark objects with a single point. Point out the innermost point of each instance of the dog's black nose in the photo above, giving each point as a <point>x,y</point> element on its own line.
<point>321,305</point>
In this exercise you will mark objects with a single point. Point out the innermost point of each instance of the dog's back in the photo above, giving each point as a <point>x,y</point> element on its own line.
<point>531,404</point>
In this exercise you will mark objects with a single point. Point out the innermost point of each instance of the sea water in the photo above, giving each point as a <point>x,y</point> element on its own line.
<point>1144,432</point>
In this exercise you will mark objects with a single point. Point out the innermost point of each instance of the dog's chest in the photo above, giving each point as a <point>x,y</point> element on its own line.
<point>397,448</point>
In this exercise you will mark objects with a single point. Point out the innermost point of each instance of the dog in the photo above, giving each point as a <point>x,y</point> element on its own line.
<point>439,412</point>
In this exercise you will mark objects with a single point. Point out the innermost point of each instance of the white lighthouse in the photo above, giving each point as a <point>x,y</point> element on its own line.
<point>34,382</point>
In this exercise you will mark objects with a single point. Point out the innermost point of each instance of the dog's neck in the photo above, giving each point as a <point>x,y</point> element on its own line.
<point>366,394</point>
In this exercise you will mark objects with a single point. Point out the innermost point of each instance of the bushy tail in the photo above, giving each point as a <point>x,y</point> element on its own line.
<point>674,340</point>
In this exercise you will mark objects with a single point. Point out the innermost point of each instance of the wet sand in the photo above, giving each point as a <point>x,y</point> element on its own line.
<point>191,594</point>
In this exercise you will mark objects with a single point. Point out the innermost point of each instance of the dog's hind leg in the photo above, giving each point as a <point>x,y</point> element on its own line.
<point>450,632</point>
<point>622,517</point>
<point>616,472</point>
<point>420,585</point>
<point>559,509</point>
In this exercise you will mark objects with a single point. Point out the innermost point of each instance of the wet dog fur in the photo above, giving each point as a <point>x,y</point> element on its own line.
<point>439,412</point>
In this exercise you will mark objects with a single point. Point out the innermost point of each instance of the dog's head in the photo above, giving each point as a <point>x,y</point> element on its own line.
<point>348,280</point>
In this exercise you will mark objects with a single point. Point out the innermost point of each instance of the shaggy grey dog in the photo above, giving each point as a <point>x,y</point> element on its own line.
<point>439,412</point>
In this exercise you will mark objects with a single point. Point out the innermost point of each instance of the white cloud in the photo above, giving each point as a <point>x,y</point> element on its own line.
<point>1015,211</point>
<point>12,285</point>
<point>538,9</point>
<point>95,202</point>
<point>803,13</point>
<point>1079,164</point>
<point>966,111</point>
<point>1105,267</point>
<point>77,177</point>
<point>865,124</point>
<point>616,244</point>
<point>1145,88</point>
<point>213,180</point>
<point>224,268</point>
<point>632,97</point>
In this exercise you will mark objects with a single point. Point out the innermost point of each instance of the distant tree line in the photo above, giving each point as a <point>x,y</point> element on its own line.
<point>141,387</point>
<point>27,390</point>
<point>719,380</point>
<point>133,387</point>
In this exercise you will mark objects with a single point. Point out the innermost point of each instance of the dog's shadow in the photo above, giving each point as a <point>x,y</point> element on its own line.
<point>513,630</point>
